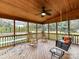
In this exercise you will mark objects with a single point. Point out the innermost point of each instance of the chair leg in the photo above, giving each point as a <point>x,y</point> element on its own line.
<point>51,55</point>
<point>59,57</point>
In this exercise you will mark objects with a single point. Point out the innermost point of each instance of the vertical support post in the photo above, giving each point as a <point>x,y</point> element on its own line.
<point>68,27</point>
<point>42,30</point>
<point>36,32</point>
<point>56,31</point>
<point>48,31</point>
<point>14,32</point>
<point>28,31</point>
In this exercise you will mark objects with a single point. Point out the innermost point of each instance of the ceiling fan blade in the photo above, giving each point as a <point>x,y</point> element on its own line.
<point>48,10</point>
<point>48,13</point>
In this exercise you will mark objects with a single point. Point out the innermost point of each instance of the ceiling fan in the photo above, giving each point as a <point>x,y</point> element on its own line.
<point>45,12</point>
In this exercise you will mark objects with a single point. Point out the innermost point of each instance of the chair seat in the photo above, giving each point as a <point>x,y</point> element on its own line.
<point>57,52</point>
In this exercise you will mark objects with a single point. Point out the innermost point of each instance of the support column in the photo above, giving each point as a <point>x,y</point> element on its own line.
<point>56,31</point>
<point>28,31</point>
<point>14,33</point>
<point>48,31</point>
<point>36,32</point>
<point>42,30</point>
<point>69,27</point>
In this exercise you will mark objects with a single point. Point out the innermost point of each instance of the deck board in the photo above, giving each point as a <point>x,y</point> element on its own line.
<point>25,51</point>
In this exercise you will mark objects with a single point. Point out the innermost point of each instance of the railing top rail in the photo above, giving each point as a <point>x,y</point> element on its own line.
<point>12,35</point>
<point>2,36</point>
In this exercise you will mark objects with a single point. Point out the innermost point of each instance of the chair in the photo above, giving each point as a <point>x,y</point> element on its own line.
<point>63,45</point>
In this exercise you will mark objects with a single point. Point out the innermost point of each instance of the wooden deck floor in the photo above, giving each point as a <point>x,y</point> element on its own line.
<point>24,51</point>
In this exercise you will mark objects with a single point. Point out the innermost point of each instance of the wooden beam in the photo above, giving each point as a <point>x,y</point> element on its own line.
<point>6,16</point>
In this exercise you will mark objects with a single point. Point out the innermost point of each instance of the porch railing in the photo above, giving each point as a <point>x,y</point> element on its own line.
<point>12,39</point>
<point>74,37</point>
<point>9,40</point>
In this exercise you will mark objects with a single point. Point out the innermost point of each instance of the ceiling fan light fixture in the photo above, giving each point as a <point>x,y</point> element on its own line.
<point>43,14</point>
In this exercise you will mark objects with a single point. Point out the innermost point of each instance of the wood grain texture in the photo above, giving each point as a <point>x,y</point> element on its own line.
<point>25,51</point>
<point>28,10</point>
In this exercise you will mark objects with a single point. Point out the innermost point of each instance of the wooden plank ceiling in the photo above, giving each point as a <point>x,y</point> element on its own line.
<point>28,10</point>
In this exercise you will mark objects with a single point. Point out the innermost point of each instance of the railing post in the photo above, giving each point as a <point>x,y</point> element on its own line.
<point>77,39</point>
<point>5,41</point>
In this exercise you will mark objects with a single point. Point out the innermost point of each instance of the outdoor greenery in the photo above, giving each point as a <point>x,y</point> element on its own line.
<point>7,27</point>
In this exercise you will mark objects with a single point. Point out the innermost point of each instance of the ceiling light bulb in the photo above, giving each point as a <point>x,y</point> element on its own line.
<point>43,14</point>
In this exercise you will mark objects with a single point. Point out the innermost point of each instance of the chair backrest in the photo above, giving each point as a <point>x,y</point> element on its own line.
<point>64,45</point>
<point>67,39</point>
